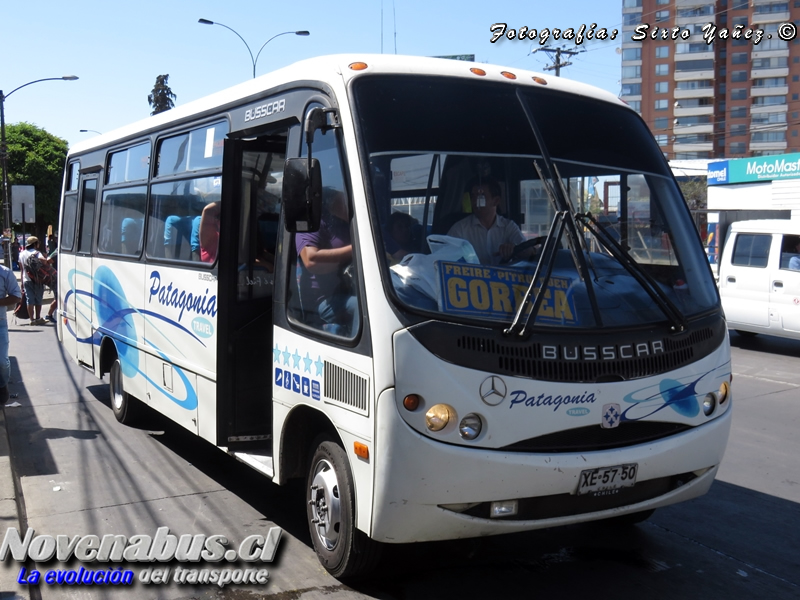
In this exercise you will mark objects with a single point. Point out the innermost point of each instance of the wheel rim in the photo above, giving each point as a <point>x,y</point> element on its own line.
<point>116,386</point>
<point>325,503</point>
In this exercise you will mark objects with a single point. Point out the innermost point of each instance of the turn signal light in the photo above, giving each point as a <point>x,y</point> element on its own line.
<point>411,402</point>
<point>361,450</point>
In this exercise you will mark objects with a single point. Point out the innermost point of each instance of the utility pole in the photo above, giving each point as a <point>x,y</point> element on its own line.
<point>555,56</point>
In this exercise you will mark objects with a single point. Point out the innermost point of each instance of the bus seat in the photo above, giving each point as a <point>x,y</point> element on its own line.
<point>130,235</point>
<point>177,237</point>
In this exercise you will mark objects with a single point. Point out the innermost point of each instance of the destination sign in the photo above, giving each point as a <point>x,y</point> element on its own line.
<point>496,292</point>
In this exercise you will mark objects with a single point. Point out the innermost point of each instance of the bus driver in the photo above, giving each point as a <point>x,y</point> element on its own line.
<point>492,236</point>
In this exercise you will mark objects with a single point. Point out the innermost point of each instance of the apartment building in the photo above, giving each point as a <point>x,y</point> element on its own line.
<point>714,79</point>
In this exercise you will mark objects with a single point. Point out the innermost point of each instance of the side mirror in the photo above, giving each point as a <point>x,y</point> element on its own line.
<point>302,195</point>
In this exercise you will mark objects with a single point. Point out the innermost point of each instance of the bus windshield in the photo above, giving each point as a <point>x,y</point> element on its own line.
<point>476,185</point>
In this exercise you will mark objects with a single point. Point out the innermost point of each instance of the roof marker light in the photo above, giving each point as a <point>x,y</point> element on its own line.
<point>540,80</point>
<point>508,75</point>
<point>477,71</point>
<point>358,66</point>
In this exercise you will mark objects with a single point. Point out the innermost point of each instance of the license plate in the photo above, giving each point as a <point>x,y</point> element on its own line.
<point>606,480</point>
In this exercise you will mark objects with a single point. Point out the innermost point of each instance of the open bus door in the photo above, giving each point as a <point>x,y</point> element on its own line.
<point>247,247</point>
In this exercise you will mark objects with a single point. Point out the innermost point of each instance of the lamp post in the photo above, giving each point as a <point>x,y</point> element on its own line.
<point>91,131</point>
<point>4,155</point>
<point>253,60</point>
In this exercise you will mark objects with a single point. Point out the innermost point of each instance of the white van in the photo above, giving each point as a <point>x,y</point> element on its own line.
<point>759,277</point>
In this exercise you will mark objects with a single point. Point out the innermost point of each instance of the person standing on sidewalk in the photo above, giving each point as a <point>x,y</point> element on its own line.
<point>34,292</point>
<point>52,258</point>
<point>10,295</point>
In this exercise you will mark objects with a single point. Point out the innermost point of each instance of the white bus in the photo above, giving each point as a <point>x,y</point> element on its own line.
<point>270,267</point>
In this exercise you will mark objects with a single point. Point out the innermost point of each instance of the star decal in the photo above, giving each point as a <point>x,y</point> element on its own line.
<point>276,354</point>
<point>296,358</point>
<point>286,355</point>
<point>319,364</point>
<point>307,363</point>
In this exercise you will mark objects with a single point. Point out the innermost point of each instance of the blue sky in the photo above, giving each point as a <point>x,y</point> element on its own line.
<point>117,49</point>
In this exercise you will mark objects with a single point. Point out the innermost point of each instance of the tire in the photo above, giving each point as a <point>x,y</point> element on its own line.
<point>123,404</point>
<point>343,550</point>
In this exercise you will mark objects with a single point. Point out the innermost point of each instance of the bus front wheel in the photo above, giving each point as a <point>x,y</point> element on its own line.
<point>122,403</point>
<point>343,550</point>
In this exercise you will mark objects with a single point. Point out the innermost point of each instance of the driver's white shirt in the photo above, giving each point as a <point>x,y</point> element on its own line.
<point>487,242</point>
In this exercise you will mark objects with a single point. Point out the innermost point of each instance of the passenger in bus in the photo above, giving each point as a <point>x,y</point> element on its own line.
<point>326,254</point>
<point>400,236</point>
<point>492,235</point>
<point>209,232</point>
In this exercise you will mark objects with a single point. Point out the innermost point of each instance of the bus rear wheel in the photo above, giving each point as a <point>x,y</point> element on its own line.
<point>343,550</point>
<point>122,403</point>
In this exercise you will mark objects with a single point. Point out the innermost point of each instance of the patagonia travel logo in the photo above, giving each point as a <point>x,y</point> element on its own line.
<point>578,412</point>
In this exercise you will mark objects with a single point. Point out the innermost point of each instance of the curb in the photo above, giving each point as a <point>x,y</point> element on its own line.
<point>9,515</point>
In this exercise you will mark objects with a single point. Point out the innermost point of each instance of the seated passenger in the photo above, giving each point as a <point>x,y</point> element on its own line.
<point>399,239</point>
<point>209,232</point>
<point>325,254</point>
<point>492,236</point>
<point>794,262</point>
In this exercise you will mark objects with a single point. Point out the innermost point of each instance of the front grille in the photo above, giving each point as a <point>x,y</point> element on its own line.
<point>594,437</point>
<point>566,356</point>
<point>528,360</point>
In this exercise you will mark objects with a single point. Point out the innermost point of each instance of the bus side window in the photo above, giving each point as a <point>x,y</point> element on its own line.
<point>259,213</point>
<point>174,222</point>
<point>322,288</point>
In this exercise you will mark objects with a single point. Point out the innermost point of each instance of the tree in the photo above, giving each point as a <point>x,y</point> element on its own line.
<point>37,158</point>
<point>161,98</point>
<point>695,191</point>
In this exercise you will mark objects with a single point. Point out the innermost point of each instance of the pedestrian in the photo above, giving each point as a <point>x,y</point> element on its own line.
<point>10,295</point>
<point>34,292</point>
<point>53,260</point>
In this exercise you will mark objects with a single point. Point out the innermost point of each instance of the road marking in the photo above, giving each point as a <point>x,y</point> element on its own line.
<point>735,375</point>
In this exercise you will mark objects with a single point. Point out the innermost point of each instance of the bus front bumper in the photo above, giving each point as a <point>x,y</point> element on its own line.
<point>425,490</point>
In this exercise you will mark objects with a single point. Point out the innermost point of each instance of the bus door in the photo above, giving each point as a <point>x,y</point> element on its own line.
<point>84,305</point>
<point>251,192</point>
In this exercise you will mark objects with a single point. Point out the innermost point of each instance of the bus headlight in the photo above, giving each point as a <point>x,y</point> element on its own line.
<point>709,403</point>
<point>470,427</point>
<point>438,416</point>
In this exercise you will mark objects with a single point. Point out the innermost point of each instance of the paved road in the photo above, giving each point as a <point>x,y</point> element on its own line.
<point>82,473</point>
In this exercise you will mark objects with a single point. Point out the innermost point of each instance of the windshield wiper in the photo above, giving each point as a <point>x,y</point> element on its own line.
<point>644,279</point>
<point>548,258</point>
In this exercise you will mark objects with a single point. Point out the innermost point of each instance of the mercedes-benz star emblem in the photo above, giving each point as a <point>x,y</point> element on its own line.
<point>493,390</point>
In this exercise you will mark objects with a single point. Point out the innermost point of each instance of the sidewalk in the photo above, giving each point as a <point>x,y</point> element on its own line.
<point>9,509</point>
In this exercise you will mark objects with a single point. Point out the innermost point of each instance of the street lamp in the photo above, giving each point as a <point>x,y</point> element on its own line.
<point>253,60</point>
<point>91,131</point>
<point>4,155</point>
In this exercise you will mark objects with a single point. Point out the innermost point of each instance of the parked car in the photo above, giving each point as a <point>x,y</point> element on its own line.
<point>759,277</point>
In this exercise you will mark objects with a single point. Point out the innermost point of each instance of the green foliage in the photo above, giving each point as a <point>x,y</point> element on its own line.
<point>695,191</point>
<point>161,98</point>
<point>37,158</point>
